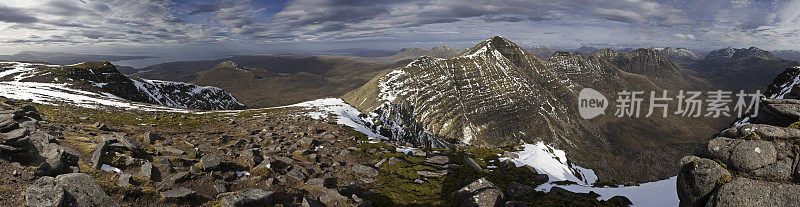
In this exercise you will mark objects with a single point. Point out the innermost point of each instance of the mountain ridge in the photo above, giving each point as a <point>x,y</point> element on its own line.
<point>497,93</point>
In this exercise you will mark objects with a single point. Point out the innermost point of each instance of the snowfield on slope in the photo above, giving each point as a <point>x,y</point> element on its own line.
<point>553,162</point>
<point>56,93</point>
<point>171,95</point>
<point>653,194</point>
<point>345,114</point>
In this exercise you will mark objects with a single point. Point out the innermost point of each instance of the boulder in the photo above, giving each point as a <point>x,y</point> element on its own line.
<point>331,197</point>
<point>178,194</point>
<point>14,135</point>
<point>210,162</point>
<point>249,197</point>
<point>180,177</point>
<point>515,189</point>
<point>315,183</point>
<point>749,155</point>
<point>74,189</point>
<point>470,162</point>
<point>57,160</point>
<point>151,137</point>
<point>147,170</point>
<point>781,170</point>
<point>97,156</point>
<point>220,188</point>
<point>365,170</point>
<point>297,173</point>
<point>433,174</point>
<point>45,192</point>
<point>747,192</point>
<point>127,143</point>
<point>480,192</point>
<point>125,180</point>
<point>308,202</point>
<point>619,201</point>
<point>438,160</point>
<point>569,195</point>
<point>721,147</point>
<point>101,126</point>
<point>697,178</point>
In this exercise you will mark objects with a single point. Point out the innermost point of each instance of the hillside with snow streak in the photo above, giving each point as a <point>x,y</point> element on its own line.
<point>99,84</point>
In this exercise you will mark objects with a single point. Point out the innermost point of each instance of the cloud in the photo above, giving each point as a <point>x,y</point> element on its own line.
<point>619,15</point>
<point>15,15</point>
<point>684,36</point>
<point>159,22</point>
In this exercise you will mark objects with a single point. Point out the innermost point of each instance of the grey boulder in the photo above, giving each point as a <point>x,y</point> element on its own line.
<point>697,178</point>
<point>249,197</point>
<point>74,189</point>
<point>480,192</point>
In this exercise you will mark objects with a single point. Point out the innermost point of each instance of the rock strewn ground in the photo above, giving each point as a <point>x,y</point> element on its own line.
<point>256,157</point>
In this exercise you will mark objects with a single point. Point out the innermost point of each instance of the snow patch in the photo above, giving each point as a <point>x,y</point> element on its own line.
<point>553,162</point>
<point>110,168</point>
<point>344,113</point>
<point>652,194</point>
<point>242,173</point>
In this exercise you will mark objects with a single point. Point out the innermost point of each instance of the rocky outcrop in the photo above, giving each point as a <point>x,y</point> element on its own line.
<point>762,159</point>
<point>24,142</point>
<point>753,163</point>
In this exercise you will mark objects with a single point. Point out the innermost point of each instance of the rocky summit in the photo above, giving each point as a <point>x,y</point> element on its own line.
<point>754,162</point>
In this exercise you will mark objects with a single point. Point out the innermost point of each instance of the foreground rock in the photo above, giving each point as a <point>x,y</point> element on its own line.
<point>752,164</point>
<point>75,189</point>
<point>480,192</point>
<point>250,197</point>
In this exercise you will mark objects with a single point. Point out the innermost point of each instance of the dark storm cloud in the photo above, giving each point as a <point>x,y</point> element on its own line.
<point>12,15</point>
<point>205,8</point>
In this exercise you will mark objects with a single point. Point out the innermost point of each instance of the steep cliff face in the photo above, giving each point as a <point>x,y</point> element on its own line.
<point>494,94</point>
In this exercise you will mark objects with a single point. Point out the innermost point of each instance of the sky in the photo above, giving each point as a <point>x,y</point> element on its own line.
<point>213,27</point>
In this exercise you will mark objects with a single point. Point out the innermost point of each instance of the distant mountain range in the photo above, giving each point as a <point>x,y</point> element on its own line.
<point>787,54</point>
<point>741,68</point>
<point>541,52</point>
<point>61,58</point>
<point>272,80</point>
<point>679,55</point>
<point>415,52</point>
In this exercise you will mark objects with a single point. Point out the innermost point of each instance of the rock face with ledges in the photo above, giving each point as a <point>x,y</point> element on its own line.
<point>497,94</point>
